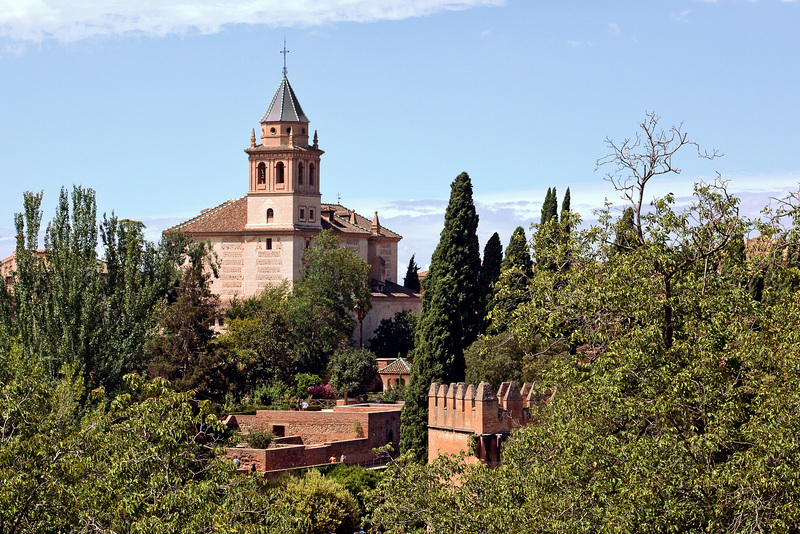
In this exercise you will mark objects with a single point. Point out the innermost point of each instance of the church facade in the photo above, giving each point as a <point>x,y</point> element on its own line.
<point>260,239</point>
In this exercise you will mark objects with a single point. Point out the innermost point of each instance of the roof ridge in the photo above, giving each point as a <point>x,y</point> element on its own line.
<point>350,223</point>
<point>205,213</point>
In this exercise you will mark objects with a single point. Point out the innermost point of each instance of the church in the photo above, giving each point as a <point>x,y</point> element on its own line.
<point>260,238</point>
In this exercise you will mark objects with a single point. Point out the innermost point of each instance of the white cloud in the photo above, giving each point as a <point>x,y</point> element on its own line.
<point>682,16</point>
<point>613,27</point>
<point>72,20</point>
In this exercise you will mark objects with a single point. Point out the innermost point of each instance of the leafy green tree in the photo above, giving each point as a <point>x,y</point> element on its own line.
<point>149,460</point>
<point>450,317</point>
<point>411,279</point>
<point>678,409</point>
<point>394,337</point>
<point>334,282</point>
<point>489,274</point>
<point>259,340</point>
<point>352,370</point>
<point>357,480</point>
<point>69,308</point>
<point>323,502</point>
<point>182,353</point>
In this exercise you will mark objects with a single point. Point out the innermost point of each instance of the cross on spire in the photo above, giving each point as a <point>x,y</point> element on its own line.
<point>284,52</point>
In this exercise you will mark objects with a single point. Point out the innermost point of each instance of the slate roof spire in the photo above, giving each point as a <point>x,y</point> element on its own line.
<point>284,106</point>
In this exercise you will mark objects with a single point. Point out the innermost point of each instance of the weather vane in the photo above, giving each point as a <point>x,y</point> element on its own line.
<point>284,52</point>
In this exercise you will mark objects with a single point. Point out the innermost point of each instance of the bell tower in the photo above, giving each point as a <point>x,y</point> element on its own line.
<point>283,191</point>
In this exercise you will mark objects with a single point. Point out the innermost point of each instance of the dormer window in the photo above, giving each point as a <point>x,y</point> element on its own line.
<point>270,215</point>
<point>262,174</point>
<point>279,173</point>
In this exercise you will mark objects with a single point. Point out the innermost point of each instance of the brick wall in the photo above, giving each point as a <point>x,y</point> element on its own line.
<point>462,416</point>
<point>311,438</point>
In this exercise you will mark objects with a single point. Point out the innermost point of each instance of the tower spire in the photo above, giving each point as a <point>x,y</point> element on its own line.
<point>284,52</point>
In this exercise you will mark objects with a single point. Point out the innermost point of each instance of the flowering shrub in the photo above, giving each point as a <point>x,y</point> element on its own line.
<point>323,391</point>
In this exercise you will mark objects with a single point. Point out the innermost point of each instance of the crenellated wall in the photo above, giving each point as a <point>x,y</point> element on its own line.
<point>463,418</point>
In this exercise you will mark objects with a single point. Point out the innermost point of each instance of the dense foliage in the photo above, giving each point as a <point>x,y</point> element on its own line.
<point>450,318</point>
<point>676,409</point>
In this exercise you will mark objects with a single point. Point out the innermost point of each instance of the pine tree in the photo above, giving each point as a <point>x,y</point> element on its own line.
<point>490,273</point>
<point>450,320</point>
<point>411,279</point>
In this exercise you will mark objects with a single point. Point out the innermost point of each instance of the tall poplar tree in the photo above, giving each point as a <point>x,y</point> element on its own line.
<point>450,320</point>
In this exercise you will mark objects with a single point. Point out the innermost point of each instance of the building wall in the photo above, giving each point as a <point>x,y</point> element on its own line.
<point>463,418</point>
<point>352,430</point>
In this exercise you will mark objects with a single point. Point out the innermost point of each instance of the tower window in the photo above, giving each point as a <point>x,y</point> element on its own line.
<point>311,214</point>
<point>269,243</point>
<point>262,174</point>
<point>270,215</point>
<point>300,173</point>
<point>279,173</point>
<point>311,175</point>
<point>302,214</point>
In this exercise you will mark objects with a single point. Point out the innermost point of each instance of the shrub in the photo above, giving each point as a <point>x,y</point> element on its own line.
<point>259,440</point>
<point>305,381</point>
<point>323,391</point>
<point>271,393</point>
<point>325,503</point>
<point>397,393</point>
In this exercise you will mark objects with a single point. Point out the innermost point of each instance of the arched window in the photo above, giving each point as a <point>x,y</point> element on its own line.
<point>262,174</point>
<point>270,215</point>
<point>279,173</point>
<point>311,175</point>
<point>300,173</point>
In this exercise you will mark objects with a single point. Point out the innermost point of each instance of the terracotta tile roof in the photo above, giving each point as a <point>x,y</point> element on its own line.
<point>230,216</point>
<point>360,221</point>
<point>398,367</point>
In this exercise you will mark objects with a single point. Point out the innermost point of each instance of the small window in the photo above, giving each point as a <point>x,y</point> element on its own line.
<point>300,174</point>
<point>308,243</point>
<point>311,175</point>
<point>262,174</point>
<point>302,214</point>
<point>270,215</point>
<point>269,243</point>
<point>279,173</point>
<point>311,214</point>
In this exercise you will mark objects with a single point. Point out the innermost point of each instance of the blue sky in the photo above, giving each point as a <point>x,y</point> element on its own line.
<point>152,106</point>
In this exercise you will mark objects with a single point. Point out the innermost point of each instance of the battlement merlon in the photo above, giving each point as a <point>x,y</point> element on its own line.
<point>461,406</point>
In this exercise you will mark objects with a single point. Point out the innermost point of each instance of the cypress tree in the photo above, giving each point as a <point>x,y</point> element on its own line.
<point>517,253</point>
<point>565,206</point>
<point>449,320</point>
<point>411,279</point>
<point>549,206</point>
<point>490,273</point>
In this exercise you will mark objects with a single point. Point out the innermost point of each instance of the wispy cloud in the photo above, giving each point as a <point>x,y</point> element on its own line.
<point>72,20</point>
<point>613,27</point>
<point>682,16</point>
